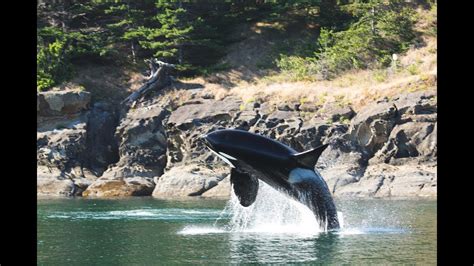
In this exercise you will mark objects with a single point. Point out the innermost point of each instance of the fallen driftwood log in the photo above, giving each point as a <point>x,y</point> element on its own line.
<point>158,79</point>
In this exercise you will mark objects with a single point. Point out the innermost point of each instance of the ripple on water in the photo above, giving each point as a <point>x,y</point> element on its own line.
<point>284,230</point>
<point>141,214</point>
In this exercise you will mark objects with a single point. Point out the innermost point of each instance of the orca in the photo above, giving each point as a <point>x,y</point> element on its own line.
<point>254,157</point>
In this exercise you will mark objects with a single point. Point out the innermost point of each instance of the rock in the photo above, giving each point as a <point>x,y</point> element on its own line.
<point>183,181</point>
<point>245,119</point>
<point>266,108</point>
<point>341,163</point>
<point>210,111</point>
<point>310,107</point>
<point>385,151</point>
<point>120,187</point>
<point>287,131</point>
<point>409,180</point>
<point>221,191</point>
<point>59,163</point>
<point>384,180</point>
<point>88,174</point>
<point>51,187</point>
<point>61,149</point>
<point>280,125</point>
<point>286,107</point>
<point>366,187</point>
<point>429,146</point>
<point>45,171</point>
<point>310,136</point>
<point>416,103</point>
<point>207,96</point>
<point>341,113</point>
<point>188,123</point>
<point>141,156</point>
<point>81,185</point>
<point>418,118</point>
<point>281,116</point>
<point>198,101</point>
<point>405,141</point>
<point>187,146</point>
<point>338,131</point>
<point>411,184</point>
<point>335,112</point>
<point>53,183</point>
<point>142,144</point>
<point>371,127</point>
<point>381,111</point>
<point>56,103</point>
<point>101,146</point>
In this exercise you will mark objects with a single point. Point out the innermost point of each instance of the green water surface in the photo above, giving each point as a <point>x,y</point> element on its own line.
<point>146,231</point>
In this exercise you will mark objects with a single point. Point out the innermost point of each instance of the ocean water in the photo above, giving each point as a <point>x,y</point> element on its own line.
<point>275,229</point>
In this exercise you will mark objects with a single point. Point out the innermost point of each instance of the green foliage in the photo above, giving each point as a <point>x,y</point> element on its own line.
<point>57,49</point>
<point>167,39</point>
<point>380,75</point>
<point>430,21</point>
<point>370,41</point>
<point>297,68</point>
<point>379,29</point>
<point>51,60</point>
<point>213,68</point>
<point>286,52</point>
<point>413,69</point>
<point>361,34</point>
<point>344,120</point>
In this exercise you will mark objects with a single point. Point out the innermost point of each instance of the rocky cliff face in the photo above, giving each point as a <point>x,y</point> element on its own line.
<point>385,149</point>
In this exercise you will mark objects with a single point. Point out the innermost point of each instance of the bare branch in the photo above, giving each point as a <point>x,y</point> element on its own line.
<point>158,79</point>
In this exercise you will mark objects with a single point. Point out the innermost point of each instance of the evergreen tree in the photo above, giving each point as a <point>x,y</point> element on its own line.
<point>166,35</point>
<point>128,20</point>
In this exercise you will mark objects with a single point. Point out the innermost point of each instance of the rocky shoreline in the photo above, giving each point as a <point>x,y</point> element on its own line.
<point>386,149</point>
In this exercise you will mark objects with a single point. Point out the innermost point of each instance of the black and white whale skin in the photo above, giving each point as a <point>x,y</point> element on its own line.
<point>253,157</point>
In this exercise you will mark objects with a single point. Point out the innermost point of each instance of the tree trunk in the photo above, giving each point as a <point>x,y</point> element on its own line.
<point>158,79</point>
<point>372,22</point>
<point>133,53</point>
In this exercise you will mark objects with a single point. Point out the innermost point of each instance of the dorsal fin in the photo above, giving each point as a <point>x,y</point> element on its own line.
<point>310,157</point>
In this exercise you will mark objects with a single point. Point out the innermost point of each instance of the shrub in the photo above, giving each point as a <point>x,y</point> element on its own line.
<point>379,29</point>
<point>298,68</point>
<point>52,65</point>
<point>380,75</point>
<point>413,69</point>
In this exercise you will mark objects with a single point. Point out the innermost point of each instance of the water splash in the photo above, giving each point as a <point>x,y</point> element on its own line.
<point>201,230</point>
<point>272,212</point>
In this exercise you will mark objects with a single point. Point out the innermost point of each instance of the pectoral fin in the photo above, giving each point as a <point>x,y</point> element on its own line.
<point>245,187</point>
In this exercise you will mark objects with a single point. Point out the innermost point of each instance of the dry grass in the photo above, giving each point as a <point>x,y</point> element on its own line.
<point>357,88</point>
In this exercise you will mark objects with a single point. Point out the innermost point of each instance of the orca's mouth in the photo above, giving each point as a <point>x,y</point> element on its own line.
<point>206,142</point>
<point>225,157</point>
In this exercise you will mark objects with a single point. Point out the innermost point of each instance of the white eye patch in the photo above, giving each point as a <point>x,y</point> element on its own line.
<point>227,156</point>
<point>223,158</point>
